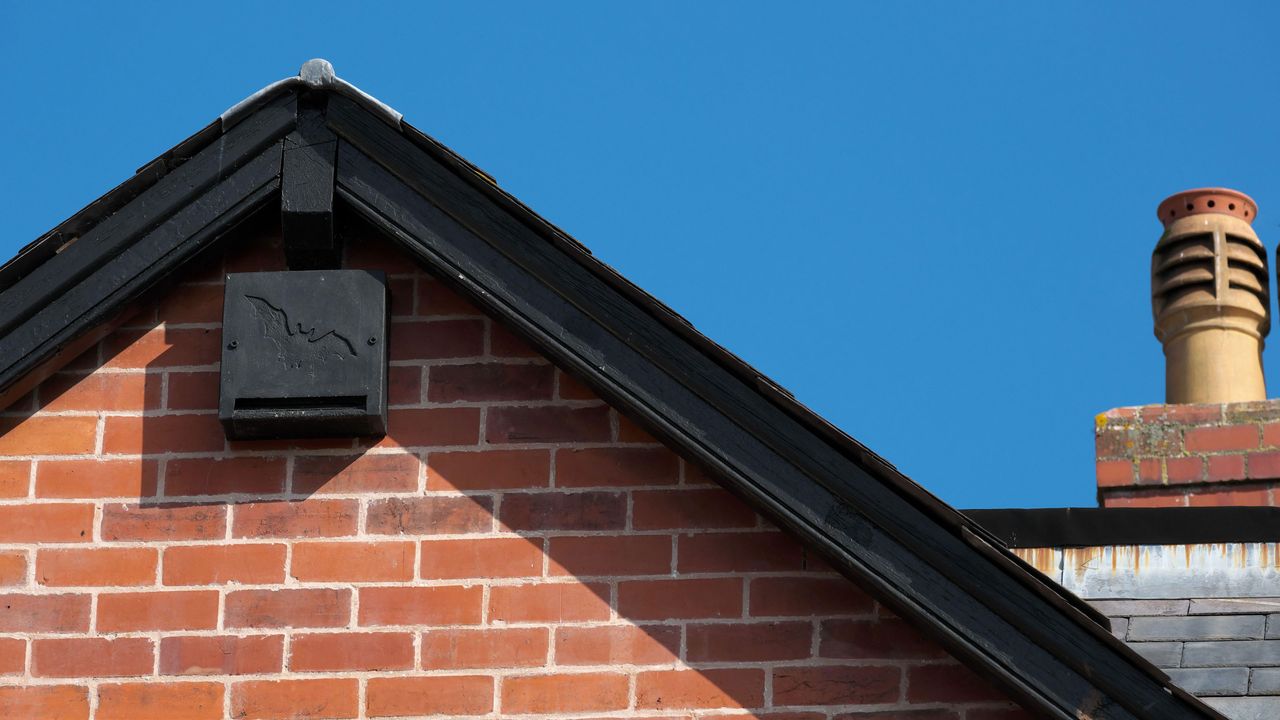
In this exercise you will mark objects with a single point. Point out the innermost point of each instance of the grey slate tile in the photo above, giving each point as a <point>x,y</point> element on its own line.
<point>1234,606</point>
<point>1211,681</point>
<point>1119,627</point>
<point>1126,608</point>
<point>1273,627</point>
<point>1265,681</point>
<point>1246,708</point>
<point>1226,653</point>
<point>1198,627</point>
<point>1161,654</point>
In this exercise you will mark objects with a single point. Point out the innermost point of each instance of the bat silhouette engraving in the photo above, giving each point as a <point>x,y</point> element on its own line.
<point>294,345</point>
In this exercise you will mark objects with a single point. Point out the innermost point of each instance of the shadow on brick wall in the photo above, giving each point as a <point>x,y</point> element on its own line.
<point>510,525</point>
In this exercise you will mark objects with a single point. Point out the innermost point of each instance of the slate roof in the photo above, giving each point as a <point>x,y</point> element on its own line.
<point>917,555</point>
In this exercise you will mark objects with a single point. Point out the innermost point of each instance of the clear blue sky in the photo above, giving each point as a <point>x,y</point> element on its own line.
<point>931,221</point>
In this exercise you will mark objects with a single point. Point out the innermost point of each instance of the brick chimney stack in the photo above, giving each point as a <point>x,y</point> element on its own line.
<point>1209,296</point>
<point>1216,441</point>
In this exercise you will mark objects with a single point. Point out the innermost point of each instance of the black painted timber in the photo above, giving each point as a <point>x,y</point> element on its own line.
<point>306,193</point>
<point>1091,527</point>
<point>802,481</point>
<point>170,194</point>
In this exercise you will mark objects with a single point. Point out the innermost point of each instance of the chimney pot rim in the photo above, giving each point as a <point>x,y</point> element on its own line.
<point>1196,201</point>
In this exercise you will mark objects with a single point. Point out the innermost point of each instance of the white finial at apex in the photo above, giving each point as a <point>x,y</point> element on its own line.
<point>317,73</point>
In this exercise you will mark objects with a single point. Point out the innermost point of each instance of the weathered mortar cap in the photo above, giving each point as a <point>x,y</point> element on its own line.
<point>1207,200</point>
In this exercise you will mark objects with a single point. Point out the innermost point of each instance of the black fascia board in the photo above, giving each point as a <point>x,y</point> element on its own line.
<point>125,253</point>
<point>864,517</point>
<point>1092,527</point>
<point>919,556</point>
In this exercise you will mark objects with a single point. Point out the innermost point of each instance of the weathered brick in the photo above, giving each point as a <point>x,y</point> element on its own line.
<point>334,652</point>
<point>548,424</point>
<point>693,509</point>
<point>680,598</point>
<point>218,564</point>
<point>1218,439</point>
<point>616,467</point>
<point>47,435</point>
<point>458,648</point>
<point>162,347</point>
<point>277,608</point>
<point>13,568</point>
<point>46,522</point>
<point>222,655</point>
<point>96,566</point>
<point>613,555</point>
<point>438,605</point>
<point>193,391</point>
<point>490,382</point>
<point>13,656</point>
<point>295,699</point>
<point>1185,469</point>
<point>44,613</point>
<point>875,640</point>
<point>125,522</point>
<point>353,561</point>
<point>101,392</point>
<point>617,645</point>
<point>488,470</point>
<point>432,427</point>
<point>436,339</point>
<point>224,476</point>
<point>1225,467</point>
<point>801,596</point>
<point>132,435</point>
<point>15,478</point>
<point>306,518</point>
<point>1264,466</point>
<point>412,696</point>
<point>432,515</point>
<point>435,298</point>
<point>692,689</point>
<point>45,702</point>
<point>404,385</point>
<point>356,474</point>
<point>504,343</point>
<point>739,552</point>
<point>142,611</point>
<point>565,511</point>
<point>749,642</point>
<point>91,657</point>
<point>160,701</point>
<point>566,693</point>
<point>549,603</point>
<point>481,558</point>
<point>72,479</point>
<point>1115,473</point>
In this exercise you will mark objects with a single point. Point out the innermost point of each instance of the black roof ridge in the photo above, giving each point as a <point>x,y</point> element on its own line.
<point>836,505</point>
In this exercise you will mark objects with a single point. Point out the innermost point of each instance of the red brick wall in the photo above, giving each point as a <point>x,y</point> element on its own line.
<point>513,547</point>
<point>1189,455</point>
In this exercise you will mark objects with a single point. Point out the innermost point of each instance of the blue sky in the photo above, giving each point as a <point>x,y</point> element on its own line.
<point>931,221</point>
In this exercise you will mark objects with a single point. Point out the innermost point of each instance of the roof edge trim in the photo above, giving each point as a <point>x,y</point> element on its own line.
<point>316,74</point>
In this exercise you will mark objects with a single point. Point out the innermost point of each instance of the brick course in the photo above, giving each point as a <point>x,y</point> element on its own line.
<point>514,547</point>
<point>1189,455</point>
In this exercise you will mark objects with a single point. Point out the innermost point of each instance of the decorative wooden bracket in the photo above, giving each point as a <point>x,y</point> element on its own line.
<point>306,190</point>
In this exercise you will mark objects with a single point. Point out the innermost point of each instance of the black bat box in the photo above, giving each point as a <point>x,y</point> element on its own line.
<point>304,354</point>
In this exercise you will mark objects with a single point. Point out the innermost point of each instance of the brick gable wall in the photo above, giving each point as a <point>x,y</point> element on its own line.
<point>513,547</point>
